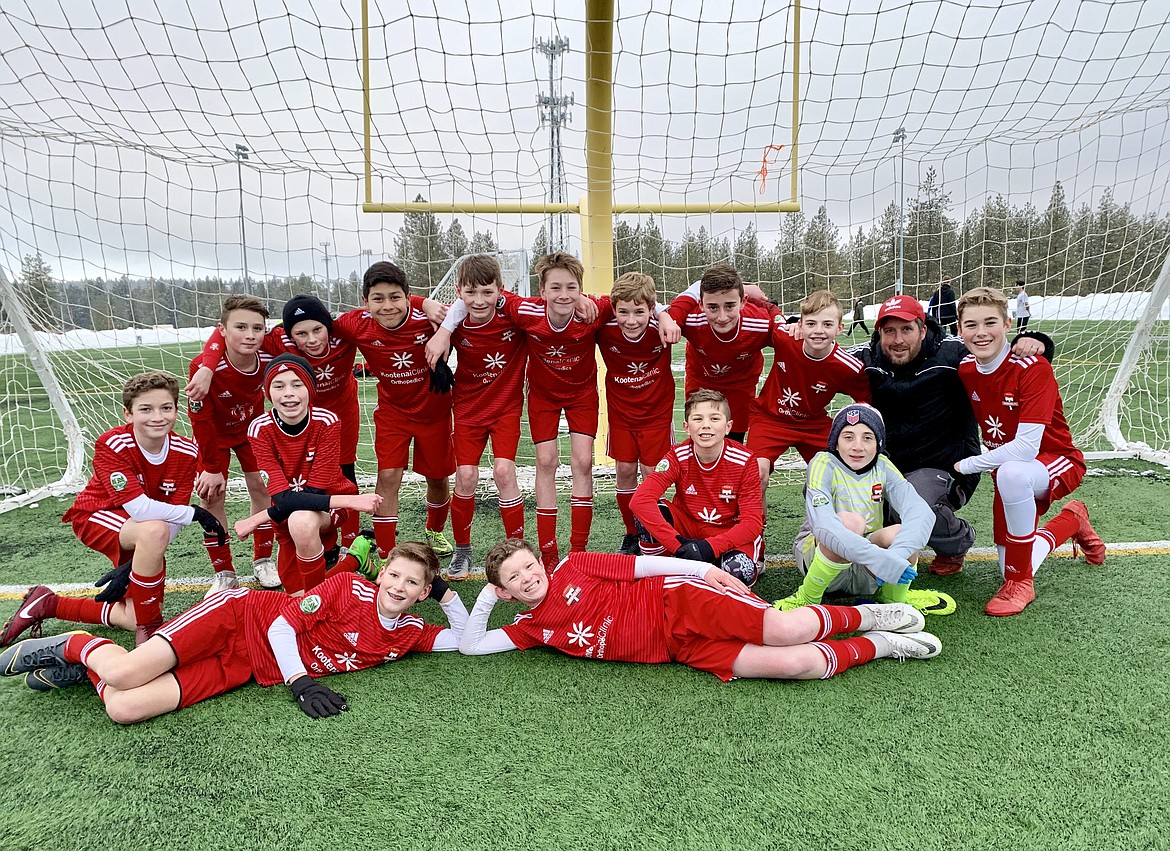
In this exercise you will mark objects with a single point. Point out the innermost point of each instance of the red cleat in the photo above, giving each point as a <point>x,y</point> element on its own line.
<point>946,565</point>
<point>1011,599</point>
<point>1085,538</point>
<point>38,604</point>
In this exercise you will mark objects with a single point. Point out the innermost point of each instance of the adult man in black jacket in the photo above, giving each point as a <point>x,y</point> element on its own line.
<point>913,376</point>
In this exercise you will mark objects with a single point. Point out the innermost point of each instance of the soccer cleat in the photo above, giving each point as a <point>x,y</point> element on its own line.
<point>439,543</point>
<point>38,604</point>
<point>51,679</point>
<point>1011,599</point>
<point>33,653</point>
<point>460,567</point>
<point>1085,538</point>
<point>909,645</point>
<point>630,545</point>
<point>931,602</point>
<point>224,580</point>
<point>787,604</point>
<point>264,569</point>
<point>894,617</point>
<point>359,551</point>
<point>946,565</point>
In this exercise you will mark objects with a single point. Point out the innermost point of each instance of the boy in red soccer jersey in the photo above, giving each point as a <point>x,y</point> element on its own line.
<point>639,392</point>
<point>1030,453</point>
<point>562,377</point>
<point>489,397</point>
<point>717,514</point>
<point>805,376</point>
<point>129,511</point>
<point>656,609</point>
<point>725,337</point>
<point>297,446</point>
<point>348,623</point>
<point>414,403</point>
<point>220,424</point>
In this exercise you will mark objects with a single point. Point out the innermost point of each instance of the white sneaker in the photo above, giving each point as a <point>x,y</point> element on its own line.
<point>224,580</point>
<point>894,617</point>
<point>460,567</point>
<point>912,645</point>
<point>264,569</point>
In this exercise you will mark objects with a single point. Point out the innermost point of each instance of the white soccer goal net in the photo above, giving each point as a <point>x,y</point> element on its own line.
<point>155,157</point>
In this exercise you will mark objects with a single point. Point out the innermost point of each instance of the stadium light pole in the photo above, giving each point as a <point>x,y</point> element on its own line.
<point>900,138</point>
<point>241,153</point>
<point>328,289</point>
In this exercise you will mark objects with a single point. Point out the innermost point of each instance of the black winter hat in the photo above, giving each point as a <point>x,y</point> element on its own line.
<point>302,307</point>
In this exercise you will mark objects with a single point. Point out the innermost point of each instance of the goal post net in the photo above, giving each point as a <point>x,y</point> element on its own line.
<point>154,159</point>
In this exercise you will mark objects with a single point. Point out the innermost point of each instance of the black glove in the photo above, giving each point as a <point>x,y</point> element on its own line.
<point>317,700</point>
<point>695,549</point>
<point>439,589</point>
<point>210,524</point>
<point>442,379</point>
<point>117,582</point>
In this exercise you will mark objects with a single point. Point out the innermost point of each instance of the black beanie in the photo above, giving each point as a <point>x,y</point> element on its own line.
<point>302,307</point>
<point>858,412</point>
<point>295,363</point>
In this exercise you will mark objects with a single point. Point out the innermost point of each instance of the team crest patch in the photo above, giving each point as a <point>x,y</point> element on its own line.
<point>820,499</point>
<point>118,481</point>
<point>875,493</point>
<point>662,467</point>
<point>1009,401</point>
<point>311,603</point>
<point>853,417</point>
<point>194,407</point>
<point>727,494</point>
<point>572,595</point>
<point>264,477</point>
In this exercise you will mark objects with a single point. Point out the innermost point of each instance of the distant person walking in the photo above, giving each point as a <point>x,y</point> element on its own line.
<point>942,306</point>
<point>858,316</point>
<point>1023,308</point>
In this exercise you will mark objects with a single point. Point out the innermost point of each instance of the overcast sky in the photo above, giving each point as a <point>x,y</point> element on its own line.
<point>117,119</point>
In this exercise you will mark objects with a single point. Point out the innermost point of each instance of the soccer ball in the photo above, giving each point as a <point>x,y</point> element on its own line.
<point>742,566</point>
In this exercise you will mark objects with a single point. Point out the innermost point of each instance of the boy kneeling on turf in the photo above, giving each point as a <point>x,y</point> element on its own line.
<point>130,510</point>
<point>843,545</point>
<point>657,609</point>
<point>348,623</point>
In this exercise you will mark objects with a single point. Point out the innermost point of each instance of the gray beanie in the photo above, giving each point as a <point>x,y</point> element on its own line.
<point>852,414</point>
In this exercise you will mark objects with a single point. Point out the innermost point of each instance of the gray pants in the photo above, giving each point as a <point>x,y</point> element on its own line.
<point>854,580</point>
<point>951,535</point>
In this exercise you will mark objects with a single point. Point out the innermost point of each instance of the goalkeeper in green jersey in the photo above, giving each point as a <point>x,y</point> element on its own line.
<point>844,545</point>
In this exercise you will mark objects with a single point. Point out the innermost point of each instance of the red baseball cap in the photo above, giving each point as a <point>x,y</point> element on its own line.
<point>901,307</point>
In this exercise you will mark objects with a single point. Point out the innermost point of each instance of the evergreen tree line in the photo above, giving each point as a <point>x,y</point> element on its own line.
<point>1057,250</point>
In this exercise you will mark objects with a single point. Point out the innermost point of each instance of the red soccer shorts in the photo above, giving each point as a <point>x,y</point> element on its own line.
<point>244,455</point>
<point>100,532</point>
<point>707,628</point>
<point>648,445</point>
<point>544,415</point>
<point>1064,476</point>
<point>210,641</point>
<point>769,437</point>
<point>471,441</point>
<point>434,455</point>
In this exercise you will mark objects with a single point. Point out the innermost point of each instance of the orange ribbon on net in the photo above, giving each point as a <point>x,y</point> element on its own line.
<point>774,150</point>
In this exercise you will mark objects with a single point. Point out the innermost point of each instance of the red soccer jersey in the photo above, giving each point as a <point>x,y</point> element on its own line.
<point>233,401</point>
<point>798,389</point>
<point>639,386</point>
<point>723,499</point>
<point>597,610</point>
<point>1021,390</point>
<point>299,461</point>
<point>338,629</point>
<point>731,364</point>
<point>122,473</point>
<point>336,386</point>
<point>489,376</point>
<point>397,356</point>
<point>561,361</point>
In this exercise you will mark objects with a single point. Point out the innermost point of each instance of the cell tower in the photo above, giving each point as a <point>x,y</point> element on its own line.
<point>554,111</point>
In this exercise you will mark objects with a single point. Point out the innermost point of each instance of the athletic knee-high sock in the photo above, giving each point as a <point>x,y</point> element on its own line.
<point>220,554</point>
<point>147,594</point>
<point>262,541</point>
<point>836,620</point>
<point>623,503</point>
<point>581,519</point>
<point>437,514</point>
<point>288,570</point>
<point>462,513</point>
<point>385,534</point>
<point>312,570</point>
<point>820,573</point>
<point>1017,562</point>
<point>351,527</point>
<point>1055,532</point>
<point>82,610</point>
<point>79,646</point>
<point>893,592</point>
<point>512,516</point>
<point>546,534</point>
<point>844,653</point>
